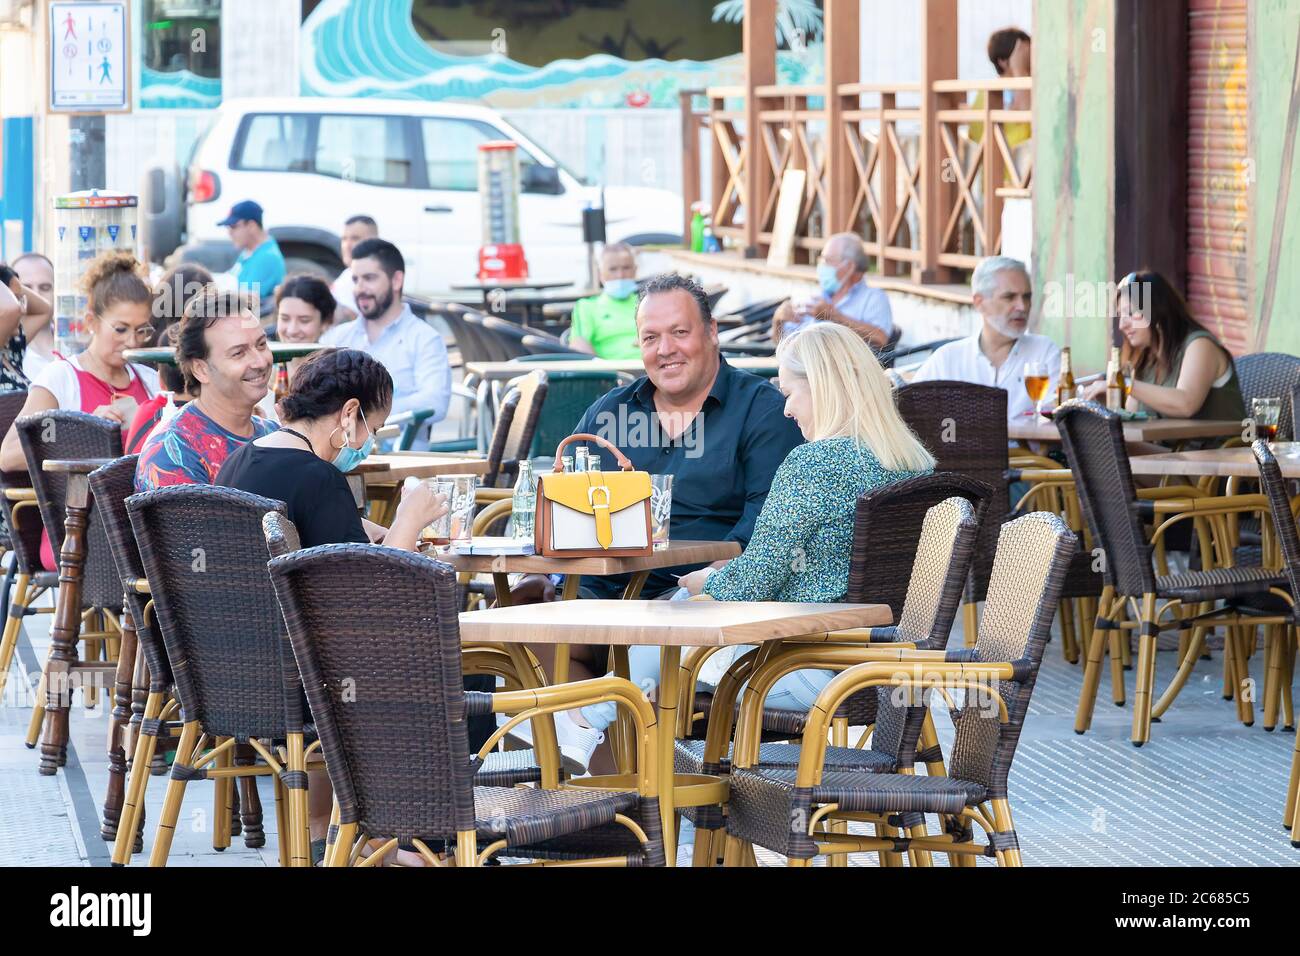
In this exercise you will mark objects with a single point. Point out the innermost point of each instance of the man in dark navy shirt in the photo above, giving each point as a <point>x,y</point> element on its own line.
<point>719,431</point>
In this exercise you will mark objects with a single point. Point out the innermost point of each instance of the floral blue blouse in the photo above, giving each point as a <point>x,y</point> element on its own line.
<point>804,535</point>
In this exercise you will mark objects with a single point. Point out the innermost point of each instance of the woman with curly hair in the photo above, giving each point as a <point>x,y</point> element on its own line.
<point>99,380</point>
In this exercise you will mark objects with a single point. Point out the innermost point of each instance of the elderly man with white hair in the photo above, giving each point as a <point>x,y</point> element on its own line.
<point>1003,346</point>
<point>846,300</point>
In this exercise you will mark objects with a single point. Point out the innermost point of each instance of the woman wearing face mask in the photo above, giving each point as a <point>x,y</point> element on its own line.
<point>605,325</point>
<point>332,399</point>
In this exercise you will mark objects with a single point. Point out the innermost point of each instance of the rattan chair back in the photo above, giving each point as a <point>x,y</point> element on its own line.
<point>1033,555</point>
<point>965,427</point>
<point>1271,375</point>
<point>384,682</point>
<point>281,534</point>
<point>205,556</point>
<point>59,434</point>
<point>111,485</point>
<point>945,545</point>
<point>1279,503</point>
<point>943,557</point>
<point>496,448</point>
<point>25,528</point>
<point>532,389</point>
<point>1093,438</point>
<point>887,531</point>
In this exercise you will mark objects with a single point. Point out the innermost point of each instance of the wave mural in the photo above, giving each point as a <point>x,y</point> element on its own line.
<point>178,90</point>
<point>352,48</point>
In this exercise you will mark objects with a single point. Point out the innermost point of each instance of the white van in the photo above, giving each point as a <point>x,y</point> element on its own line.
<point>411,165</point>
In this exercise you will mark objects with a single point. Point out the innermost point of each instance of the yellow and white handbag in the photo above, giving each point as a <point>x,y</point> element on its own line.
<point>588,514</point>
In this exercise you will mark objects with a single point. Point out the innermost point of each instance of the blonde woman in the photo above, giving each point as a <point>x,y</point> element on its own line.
<point>840,397</point>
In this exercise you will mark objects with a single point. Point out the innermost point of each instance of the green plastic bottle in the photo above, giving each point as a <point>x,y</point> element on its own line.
<point>697,231</point>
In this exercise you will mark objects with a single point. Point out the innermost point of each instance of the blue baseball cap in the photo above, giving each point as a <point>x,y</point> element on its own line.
<point>240,211</point>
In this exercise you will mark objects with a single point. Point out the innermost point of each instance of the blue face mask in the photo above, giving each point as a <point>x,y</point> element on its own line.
<point>828,279</point>
<point>349,457</point>
<point>620,288</point>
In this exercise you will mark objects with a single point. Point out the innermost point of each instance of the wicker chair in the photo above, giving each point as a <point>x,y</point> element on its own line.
<point>513,438</point>
<point>1094,445</point>
<point>1281,666</point>
<point>886,535</point>
<point>25,580</point>
<point>499,769</point>
<point>943,546</point>
<point>66,435</point>
<point>123,815</point>
<point>886,532</point>
<point>203,552</point>
<point>1271,375</point>
<point>397,752</point>
<point>1001,669</point>
<point>965,428</point>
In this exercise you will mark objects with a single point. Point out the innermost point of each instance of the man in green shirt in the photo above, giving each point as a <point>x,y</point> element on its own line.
<point>605,324</point>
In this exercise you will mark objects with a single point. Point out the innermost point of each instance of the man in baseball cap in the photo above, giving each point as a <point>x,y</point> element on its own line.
<point>260,266</point>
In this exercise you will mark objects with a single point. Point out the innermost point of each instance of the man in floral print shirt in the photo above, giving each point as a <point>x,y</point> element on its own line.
<point>227,364</point>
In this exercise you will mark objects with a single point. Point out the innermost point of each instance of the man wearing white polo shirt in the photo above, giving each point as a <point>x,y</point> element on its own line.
<point>410,348</point>
<point>999,351</point>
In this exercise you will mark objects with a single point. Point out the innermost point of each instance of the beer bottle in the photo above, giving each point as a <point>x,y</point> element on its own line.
<point>1114,382</point>
<point>1065,388</point>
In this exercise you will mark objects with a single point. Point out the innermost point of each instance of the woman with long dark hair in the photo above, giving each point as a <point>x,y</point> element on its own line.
<point>1180,369</point>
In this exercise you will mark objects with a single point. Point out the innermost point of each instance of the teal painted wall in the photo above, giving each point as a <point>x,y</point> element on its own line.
<point>1074,169</point>
<point>1275,28</point>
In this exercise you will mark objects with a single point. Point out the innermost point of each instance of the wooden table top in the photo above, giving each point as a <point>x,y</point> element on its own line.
<point>1217,462</point>
<point>1153,430</point>
<point>497,371</point>
<point>659,623</point>
<point>677,553</point>
<point>378,469</point>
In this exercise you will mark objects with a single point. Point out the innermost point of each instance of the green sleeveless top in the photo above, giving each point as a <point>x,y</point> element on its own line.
<point>1223,403</point>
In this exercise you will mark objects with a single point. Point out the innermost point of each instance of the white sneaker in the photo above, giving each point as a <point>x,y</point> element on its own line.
<point>577,743</point>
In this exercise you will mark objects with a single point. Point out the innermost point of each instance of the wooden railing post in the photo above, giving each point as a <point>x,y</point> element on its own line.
<point>842,26</point>
<point>887,170</point>
<point>994,176</point>
<point>938,62</point>
<point>759,39</point>
<point>690,162</point>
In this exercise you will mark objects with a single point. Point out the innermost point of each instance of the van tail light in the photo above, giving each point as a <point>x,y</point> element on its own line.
<point>204,186</point>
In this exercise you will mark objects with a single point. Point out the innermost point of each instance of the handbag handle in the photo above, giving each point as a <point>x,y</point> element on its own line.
<point>621,458</point>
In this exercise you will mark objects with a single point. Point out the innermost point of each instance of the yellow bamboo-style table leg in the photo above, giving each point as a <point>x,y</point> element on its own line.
<point>670,658</point>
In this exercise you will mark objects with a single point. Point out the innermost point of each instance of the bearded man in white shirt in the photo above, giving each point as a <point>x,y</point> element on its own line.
<point>1000,349</point>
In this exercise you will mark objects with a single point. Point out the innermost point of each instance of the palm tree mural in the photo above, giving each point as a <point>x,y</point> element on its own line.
<point>798,22</point>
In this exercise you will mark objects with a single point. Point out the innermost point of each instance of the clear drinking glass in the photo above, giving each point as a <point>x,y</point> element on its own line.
<point>457,525</point>
<point>1036,382</point>
<point>1266,412</point>
<point>661,509</point>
